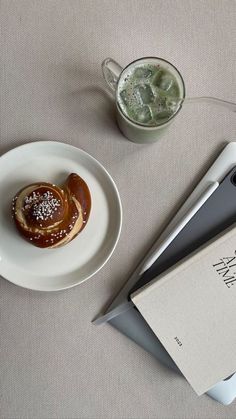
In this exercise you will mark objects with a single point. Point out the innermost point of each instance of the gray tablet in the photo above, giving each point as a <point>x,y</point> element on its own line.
<point>218,213</point>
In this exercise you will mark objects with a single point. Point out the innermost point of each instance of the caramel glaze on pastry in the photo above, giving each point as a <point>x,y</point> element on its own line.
<point>49,216</point>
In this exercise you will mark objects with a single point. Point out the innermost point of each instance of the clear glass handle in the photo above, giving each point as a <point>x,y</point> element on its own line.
<point>111,72</point>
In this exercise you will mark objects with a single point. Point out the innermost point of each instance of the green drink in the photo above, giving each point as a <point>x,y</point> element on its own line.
<point>148,94</point>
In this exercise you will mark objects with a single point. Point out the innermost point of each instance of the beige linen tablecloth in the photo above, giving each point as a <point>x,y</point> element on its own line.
<point>54,363</point>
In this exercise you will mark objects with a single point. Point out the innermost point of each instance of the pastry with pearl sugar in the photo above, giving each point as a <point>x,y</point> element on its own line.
<point>49,216</point>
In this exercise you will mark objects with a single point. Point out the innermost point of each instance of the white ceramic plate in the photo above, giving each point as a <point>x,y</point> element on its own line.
<point>56,269</point>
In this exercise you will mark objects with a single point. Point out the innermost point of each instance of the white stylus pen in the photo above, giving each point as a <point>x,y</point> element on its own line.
<point>161,248</point>
<point>183,222</point>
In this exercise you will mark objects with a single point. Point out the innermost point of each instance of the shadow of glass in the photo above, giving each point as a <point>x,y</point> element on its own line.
<point>92,105</point>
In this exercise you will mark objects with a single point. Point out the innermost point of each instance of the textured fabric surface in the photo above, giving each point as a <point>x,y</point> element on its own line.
<point>53,362</point>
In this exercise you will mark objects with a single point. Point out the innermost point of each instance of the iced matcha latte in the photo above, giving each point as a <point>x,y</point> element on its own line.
<point>148,94</point>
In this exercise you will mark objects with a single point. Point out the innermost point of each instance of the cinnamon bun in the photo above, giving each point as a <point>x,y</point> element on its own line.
<point>50,216</point>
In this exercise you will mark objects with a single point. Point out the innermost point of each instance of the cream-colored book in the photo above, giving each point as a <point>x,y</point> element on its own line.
<point>192,310</point>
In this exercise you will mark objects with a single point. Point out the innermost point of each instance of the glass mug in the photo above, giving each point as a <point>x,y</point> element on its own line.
<point>135,131</point>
